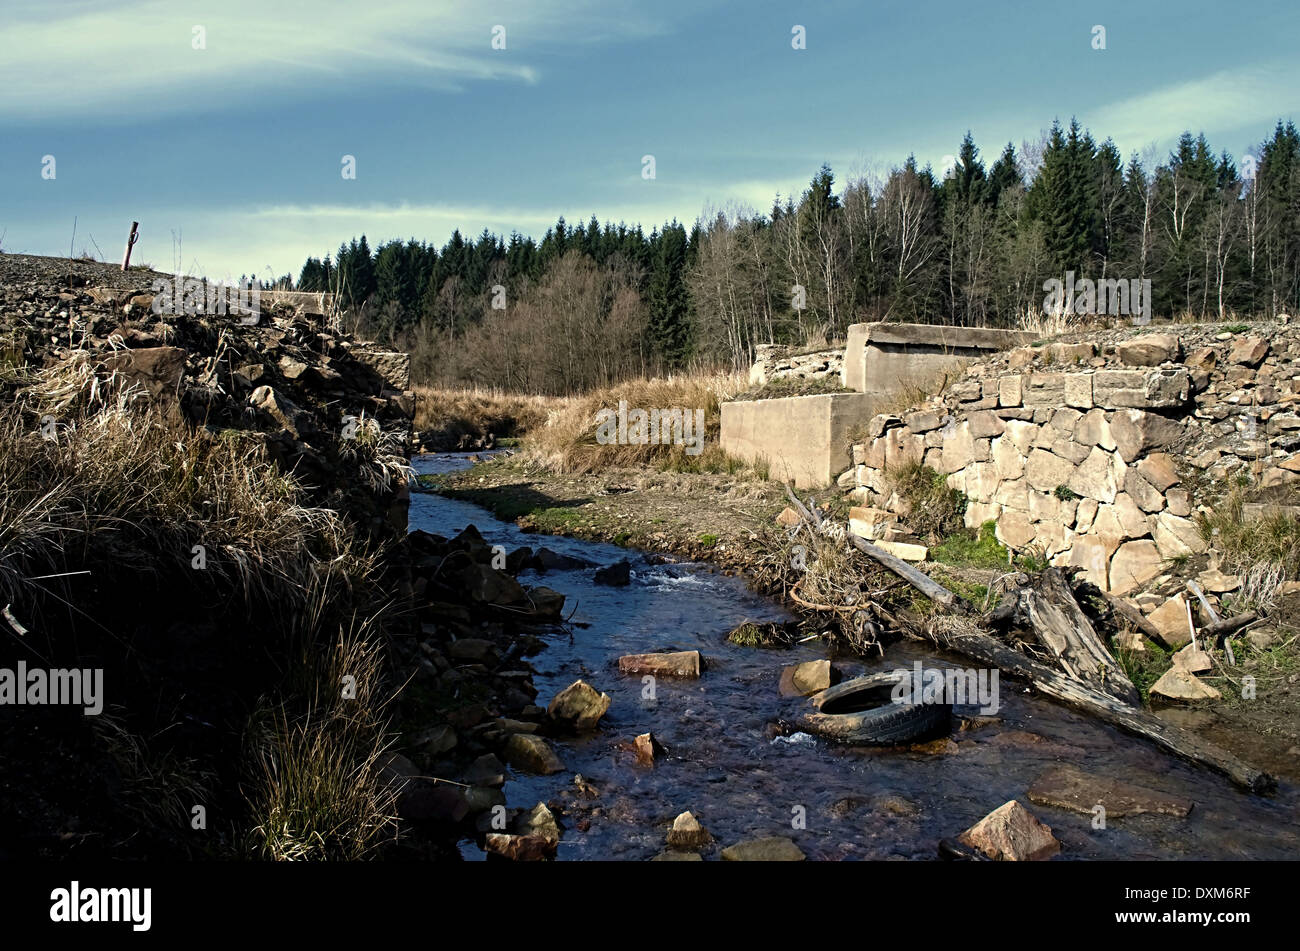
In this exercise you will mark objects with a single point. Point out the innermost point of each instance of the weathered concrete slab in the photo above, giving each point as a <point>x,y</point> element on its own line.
<point>802,438</point>
<point>882,358</point>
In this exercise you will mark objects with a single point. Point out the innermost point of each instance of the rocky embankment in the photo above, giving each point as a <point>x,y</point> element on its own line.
<point>1108,452</point>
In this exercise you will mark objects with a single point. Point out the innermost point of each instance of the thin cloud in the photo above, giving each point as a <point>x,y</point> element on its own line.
<point>130,56</point>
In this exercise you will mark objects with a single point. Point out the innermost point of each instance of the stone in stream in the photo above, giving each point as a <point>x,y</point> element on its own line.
<point>617,575</point>
<point>1011,833</point>
<point>487,585</point>
<point>674,664</point>
<point>1066,787</point>
<point>678,857</point>
<point>578,706</point>
<point>538,821</point>
<point>531,754</point>
<point>473,650</point>
<point>519,848</point>
<point>806,679</point>
<point>687,833</point>
<point>547,560</point>
<point>487,770</point>
<point>774,849</point>
<point>547,603</point>
<point>646,748</point>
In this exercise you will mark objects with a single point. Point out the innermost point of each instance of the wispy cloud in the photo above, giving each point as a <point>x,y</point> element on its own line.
<point>122,57</point>
<point>1255,95</point>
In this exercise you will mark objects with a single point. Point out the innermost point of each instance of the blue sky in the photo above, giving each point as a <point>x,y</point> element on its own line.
<point>236,148</point>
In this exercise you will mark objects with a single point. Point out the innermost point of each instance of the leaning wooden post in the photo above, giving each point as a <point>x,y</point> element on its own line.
<point>130,243</point>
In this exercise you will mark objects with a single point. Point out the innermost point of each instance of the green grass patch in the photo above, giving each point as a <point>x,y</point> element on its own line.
<point>972,549</point>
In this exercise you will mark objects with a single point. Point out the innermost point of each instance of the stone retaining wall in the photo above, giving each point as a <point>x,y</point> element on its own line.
<point>1098,453</point>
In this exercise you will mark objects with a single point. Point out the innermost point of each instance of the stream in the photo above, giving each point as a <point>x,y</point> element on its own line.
<point>723,763</point>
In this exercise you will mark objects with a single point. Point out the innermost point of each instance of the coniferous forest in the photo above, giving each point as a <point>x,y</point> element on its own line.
<point>591,303</point>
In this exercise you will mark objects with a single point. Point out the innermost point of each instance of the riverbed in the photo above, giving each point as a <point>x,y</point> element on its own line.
<point>725,763</point>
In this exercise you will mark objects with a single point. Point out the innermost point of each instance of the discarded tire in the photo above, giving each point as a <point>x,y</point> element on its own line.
<point>863,712</point>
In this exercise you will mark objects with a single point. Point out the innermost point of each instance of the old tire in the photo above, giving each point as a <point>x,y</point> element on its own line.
<point>862,712</point>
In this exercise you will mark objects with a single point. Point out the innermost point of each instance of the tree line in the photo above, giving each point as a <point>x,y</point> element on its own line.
<point>972,245</point>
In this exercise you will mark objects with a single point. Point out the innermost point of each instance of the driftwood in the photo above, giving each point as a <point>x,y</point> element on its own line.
<point>1136,618</point>
<point>1091,682</point>
<point>1047,606</point>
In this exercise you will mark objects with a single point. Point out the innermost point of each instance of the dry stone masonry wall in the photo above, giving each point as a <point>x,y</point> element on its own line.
<point>1098,451</point>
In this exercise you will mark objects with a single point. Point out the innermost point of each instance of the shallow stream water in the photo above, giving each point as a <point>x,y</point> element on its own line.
<point>723,764</point>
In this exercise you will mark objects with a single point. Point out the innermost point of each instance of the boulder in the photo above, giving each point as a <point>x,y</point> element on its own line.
<point>538,821</point>
<point>1170,619</point>
<point>773,849</point>
<point>806,679</point>
<point>519,848</point>
<point>1249,351</point>
<point>1178,684</point>
<point>532,754</point>
<point>487,585</point>
<point>1148,350</point>
<point>578,706</point>
<point>1011,833</point>
<point>687,833</point>
<point>617,575</point>
<point>668,664</point>
<point>646,748</point>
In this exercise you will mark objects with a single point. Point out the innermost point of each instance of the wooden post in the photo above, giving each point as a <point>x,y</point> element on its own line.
<point>130,243</point>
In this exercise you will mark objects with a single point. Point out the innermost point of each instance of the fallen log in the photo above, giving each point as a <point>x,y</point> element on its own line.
<point>1136,618</point>
<point>1067,689</point>
<point>1048,607</point>
<point>1074,693</point>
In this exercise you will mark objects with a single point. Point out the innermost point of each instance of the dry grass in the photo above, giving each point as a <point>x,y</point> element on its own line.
<point>915,390</point>
<point>481,410</point>
<point>129,491</point>
<point>567,443</point>
<point>1254,544</point>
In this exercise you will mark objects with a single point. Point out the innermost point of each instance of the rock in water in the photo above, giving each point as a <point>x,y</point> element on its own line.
<point>1066,787</point>
<point>1011,833</point>
<point>578,706</point>
<point>532,754</point>
<point>775,849</point>
<point>687,833</point>
<point>538,821</point>
<point>804,680</point>
<point>616,575</point>
<point>676,664</point>
<point>519,848</point>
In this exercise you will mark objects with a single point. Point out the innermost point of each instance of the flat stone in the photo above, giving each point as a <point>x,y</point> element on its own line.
<point>1143,492</point>
<point>675,664</point>
<point>1093,429</point>
<point>773,849</point>
<point>1216,582</point>
<point>1178,684</point>
<point>1066,787</point>
<point>1148,350</point>
<point>1176,536</point>
<point>904,550</point>
<point>1134,564</point>
<point>1193,660</point>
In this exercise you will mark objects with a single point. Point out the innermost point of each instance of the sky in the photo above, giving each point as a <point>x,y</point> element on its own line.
<point>221,126</point>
